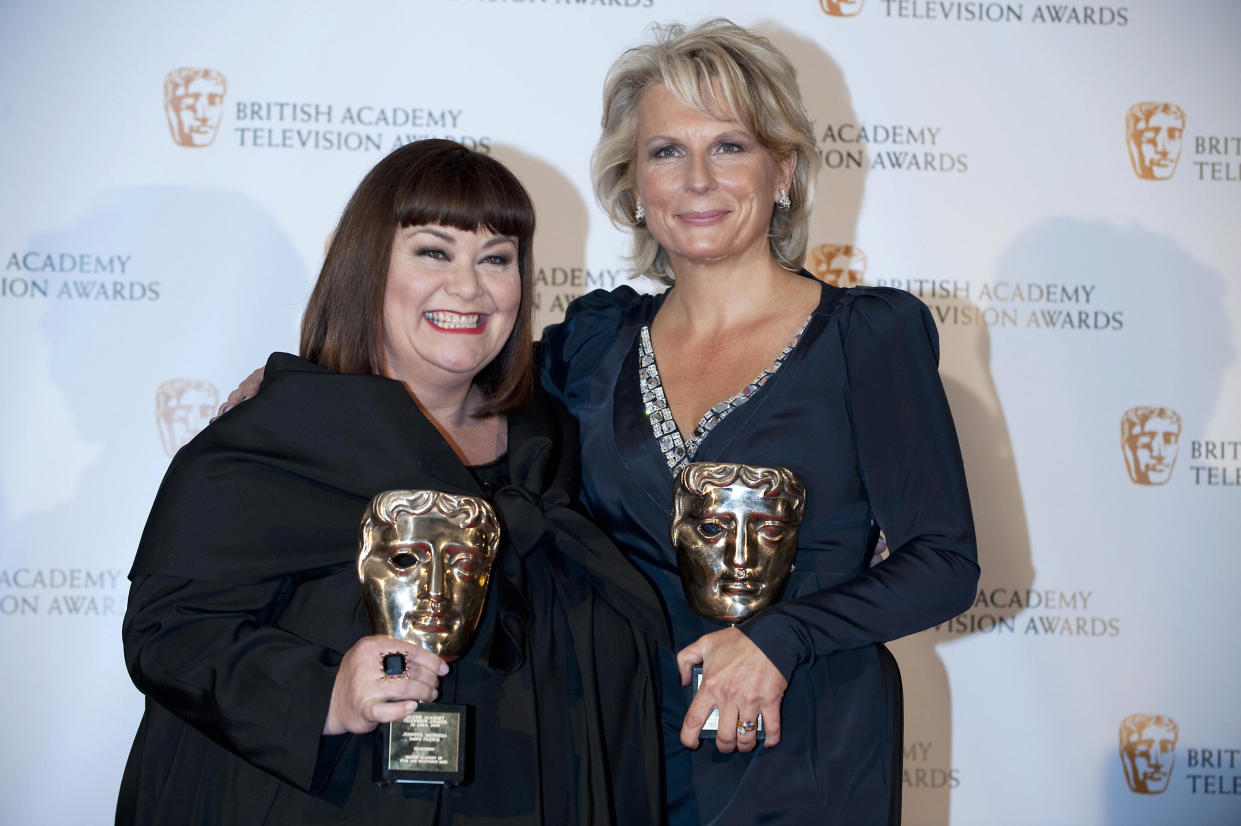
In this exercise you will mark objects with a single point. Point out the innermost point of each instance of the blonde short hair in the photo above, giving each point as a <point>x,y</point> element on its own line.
<point>759,87</point>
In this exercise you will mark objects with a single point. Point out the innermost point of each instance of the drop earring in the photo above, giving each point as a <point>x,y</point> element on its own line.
<point>784,201</point>
<point>639,212</point>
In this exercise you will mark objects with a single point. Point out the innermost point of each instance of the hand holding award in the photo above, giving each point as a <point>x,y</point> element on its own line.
<point>735,530</point>
<point>424,561</point>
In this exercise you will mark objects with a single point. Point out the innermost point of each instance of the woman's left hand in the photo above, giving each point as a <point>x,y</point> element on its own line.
<point>739,680</point>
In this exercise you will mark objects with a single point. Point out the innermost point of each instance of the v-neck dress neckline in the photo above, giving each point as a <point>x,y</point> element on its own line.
<point>677,450</point>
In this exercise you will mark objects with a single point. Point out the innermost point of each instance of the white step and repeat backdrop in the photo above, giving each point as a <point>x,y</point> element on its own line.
<point>1060,183</point>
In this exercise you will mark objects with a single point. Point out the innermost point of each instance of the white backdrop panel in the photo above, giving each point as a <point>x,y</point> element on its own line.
<point>975,155</point>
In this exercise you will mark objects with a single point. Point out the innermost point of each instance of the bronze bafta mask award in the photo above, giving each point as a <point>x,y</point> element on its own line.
<point>424,562</point>
<point>735,531</point>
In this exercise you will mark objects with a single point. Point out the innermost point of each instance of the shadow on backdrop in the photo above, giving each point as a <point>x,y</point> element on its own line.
<point>212,282</point>
<point>965,364</point>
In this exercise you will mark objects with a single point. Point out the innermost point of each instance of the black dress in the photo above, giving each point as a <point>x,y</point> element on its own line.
<point>245,597</point>
<point>858,412</point>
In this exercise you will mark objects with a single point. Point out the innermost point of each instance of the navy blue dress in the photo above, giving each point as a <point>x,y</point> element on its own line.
<point>858,412</point>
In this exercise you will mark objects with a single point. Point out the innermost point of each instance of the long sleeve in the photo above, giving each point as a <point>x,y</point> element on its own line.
<point>244,597</point>
<point>214,654</point>
<point>909,461</point>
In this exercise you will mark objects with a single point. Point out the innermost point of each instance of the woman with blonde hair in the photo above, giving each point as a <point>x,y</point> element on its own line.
<point>707,156</point>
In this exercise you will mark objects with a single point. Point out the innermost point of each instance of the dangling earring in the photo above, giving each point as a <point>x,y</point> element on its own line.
<point>784,202</point>
<point>639,212</point>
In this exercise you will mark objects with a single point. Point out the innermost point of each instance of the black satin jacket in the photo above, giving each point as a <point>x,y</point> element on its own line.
<point>245,597</point>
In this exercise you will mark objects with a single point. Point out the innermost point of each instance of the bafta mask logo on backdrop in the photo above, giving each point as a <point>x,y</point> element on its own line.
<point>842,265</point>
<point>841,8</point>
<point>1147,751</point>
<point>1150,438</point>
<point>1153,132</point>
<point>194,104</point>
<point>183,407</point>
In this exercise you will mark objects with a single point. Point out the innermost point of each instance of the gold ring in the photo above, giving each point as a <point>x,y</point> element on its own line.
<point>745,727</point>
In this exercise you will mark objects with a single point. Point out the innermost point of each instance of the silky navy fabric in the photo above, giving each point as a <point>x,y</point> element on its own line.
<point>858,412</point>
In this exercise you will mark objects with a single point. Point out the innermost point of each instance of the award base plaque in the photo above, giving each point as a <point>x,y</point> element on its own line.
<point>432,745</point>
<point>428,746</point>
<point>711,728</point>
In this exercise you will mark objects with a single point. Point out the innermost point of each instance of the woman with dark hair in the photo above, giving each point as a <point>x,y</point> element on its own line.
<point>708,157</point>
<point>246,628</point>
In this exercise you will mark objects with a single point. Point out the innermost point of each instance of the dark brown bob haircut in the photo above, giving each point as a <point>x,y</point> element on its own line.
<point>421,183</point>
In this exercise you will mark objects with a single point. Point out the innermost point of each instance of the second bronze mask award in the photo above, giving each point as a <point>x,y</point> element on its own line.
<point>424,561</point>
<point>735,531</point>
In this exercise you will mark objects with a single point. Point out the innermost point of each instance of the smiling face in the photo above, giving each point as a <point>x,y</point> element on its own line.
<point>450,302</point>
<point>425,574</point>
<point>735,545</point>
<point>707,185</point>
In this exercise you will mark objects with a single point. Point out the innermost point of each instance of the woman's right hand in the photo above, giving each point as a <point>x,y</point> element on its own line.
<point>363,696</point>
<point>248,387</point>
